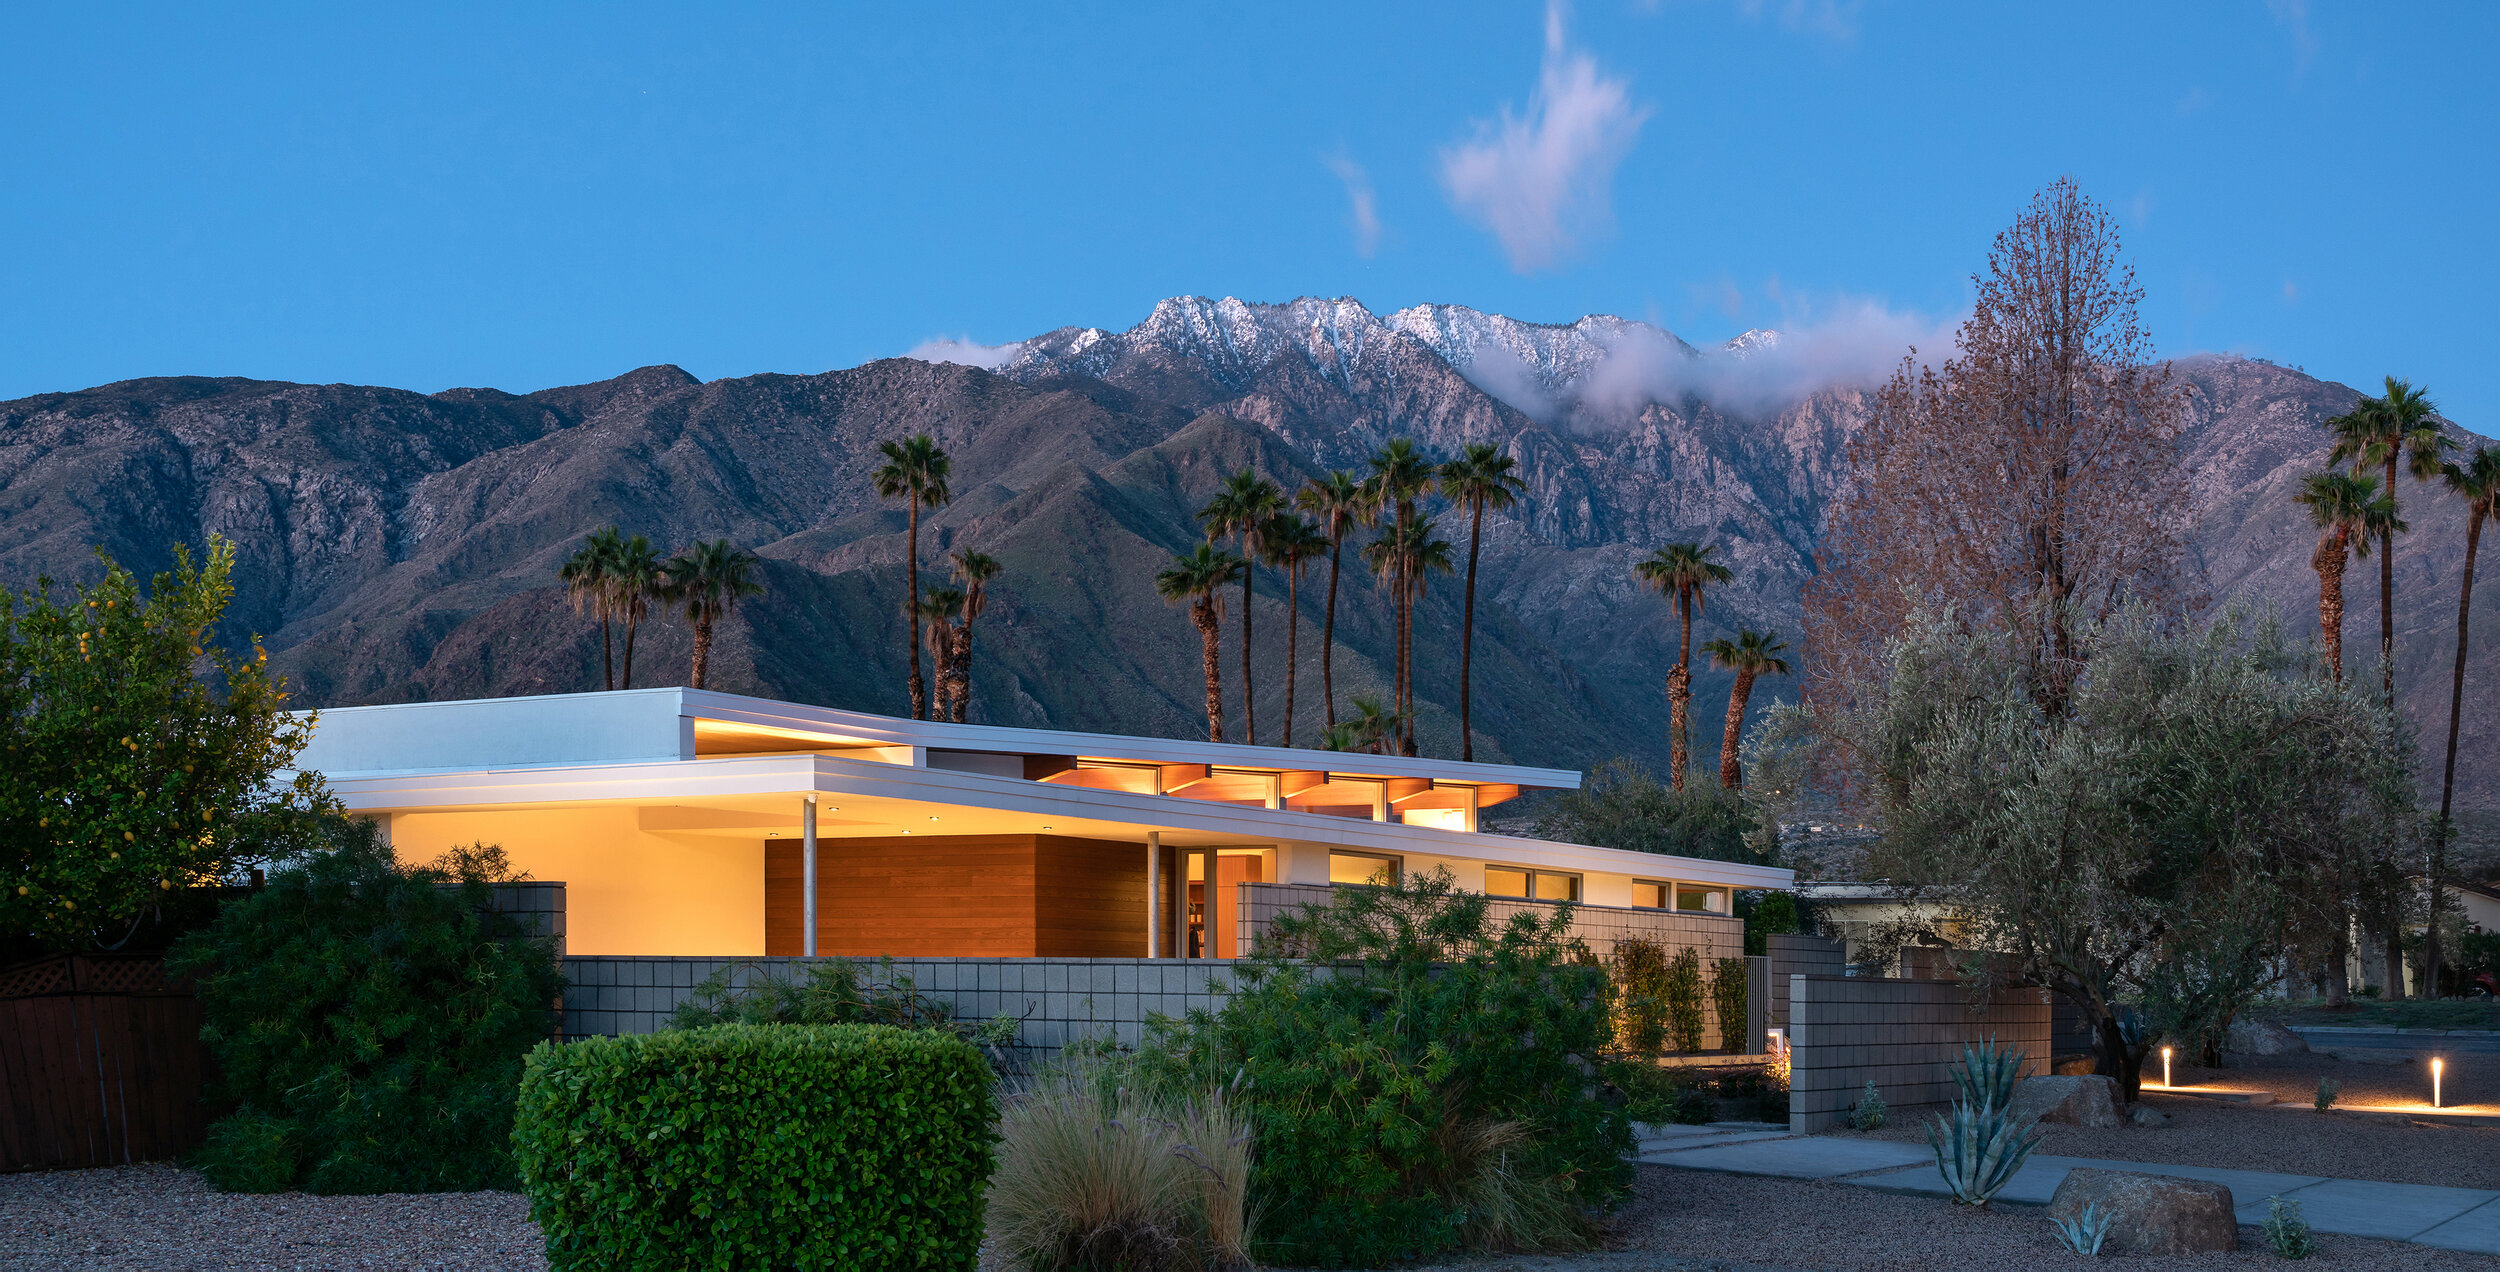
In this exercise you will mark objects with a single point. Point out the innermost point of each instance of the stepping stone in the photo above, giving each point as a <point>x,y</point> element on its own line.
<point>2037,1181</point>
<point>2477,1230</point>
<point>2399,1212</point>
<point>1800,1157</point>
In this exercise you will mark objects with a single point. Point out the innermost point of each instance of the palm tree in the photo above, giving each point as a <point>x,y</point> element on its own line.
<point>635,580</point>
<point>1479,479</point>
<point>1404,560</point>
<point>939,608</point>
<point>1339,503</point>
<point>1401,477</point>
<point>1197,579</point>
<point>1373,729</point>
<point>915,472</point>
<point>709,579</point>
<point>1682,571</point>
<point>973,570</point>
<point>585,577</point>
<point>1289,543</point>
<point>2348,510</point>
<point>2477,482</point>
<point>2376,433</point>
<point>1242,509</point>
<point>1750,655</point>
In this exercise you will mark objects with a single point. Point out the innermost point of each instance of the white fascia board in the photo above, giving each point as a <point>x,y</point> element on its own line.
<point>728,708</point>
<point>496,733</point>
<point>796,775</point>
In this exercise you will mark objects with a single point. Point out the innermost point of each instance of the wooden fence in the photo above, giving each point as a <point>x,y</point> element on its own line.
<point>101,1063</point>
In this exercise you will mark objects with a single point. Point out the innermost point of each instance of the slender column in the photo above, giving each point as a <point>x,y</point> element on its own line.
<point>1154,894</point>
<point>807,884</point>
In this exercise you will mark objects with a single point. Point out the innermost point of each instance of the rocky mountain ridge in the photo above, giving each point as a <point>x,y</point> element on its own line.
<point>400,545</point>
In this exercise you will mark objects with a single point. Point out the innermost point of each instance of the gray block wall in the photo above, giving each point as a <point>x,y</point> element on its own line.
<point>1903,1035</point>
<point>1797,955</point>
<point>1058,1000</point>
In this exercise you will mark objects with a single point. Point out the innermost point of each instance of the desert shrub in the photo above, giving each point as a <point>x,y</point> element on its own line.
<point>1684,995</point>
<point>1869,1113</point>
<point>1640,968</point>
<point>742,1146</point>
<point>837,991</point>
<point>249,1152</point>
<point>379,1011</point>
<point>1420,1065</point>
<point>2328,1089</point>
<point>1095,1174</point>
<point>2287,1234</point>
<point>1727,1001</point>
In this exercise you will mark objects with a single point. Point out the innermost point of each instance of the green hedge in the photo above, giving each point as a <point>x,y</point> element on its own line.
<point>748,1146</point>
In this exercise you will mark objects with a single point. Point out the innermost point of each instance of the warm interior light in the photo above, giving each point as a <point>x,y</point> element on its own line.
<point>2436,1062</point>
<point>932,818</point>
<point>2165,1066</point>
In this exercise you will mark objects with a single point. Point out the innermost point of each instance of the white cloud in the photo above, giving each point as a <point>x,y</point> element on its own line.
<point>2294,17</point>
<point>1541,181</point>
<point>1363,210</point>
<point>964,351</point>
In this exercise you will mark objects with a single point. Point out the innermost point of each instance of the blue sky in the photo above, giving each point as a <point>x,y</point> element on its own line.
<point>338,193</point>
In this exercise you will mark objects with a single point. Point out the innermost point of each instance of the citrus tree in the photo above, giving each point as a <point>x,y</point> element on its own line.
<point>137,755</point>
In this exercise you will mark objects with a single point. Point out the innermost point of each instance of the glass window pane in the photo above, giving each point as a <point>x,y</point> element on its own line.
<point>1651,895</point>
<point>1503,882</point>
<point>1346,867</point>
<point>1692,898</point>
<point>1557,887</point>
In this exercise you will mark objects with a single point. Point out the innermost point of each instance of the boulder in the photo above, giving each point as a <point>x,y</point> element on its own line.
<point>2074,1066</point>
<point>2151,1214</point>
<point>2141,1114</point>
<point>2069,1099</point>
<point>2262,1038</point>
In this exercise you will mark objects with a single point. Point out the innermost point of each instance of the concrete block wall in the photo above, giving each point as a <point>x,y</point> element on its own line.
<point>1798,955</point>
<point>537,906</point>
<point>1058,1000</point>
<point>1901,1034</point>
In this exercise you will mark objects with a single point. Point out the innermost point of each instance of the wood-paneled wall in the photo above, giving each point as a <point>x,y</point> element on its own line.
<point>962,896</point>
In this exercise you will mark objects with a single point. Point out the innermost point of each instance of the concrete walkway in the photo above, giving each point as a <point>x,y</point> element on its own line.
<point>2451,1218</point>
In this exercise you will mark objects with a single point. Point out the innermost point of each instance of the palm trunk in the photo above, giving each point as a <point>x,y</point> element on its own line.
<point>2387,593</point>
<point>607,654</point>
<point>1680,695</point>
<point>2329,560</point>
<point>702,652</point>
<point>1730,774</point>
<point>911,610</point>
<point>959,673</point>
<point>1293,629</point>
<point>1406,634</point>
<point>632,622</point>
<point>1249,709</point>
<point>1328,637</point>
<point>2338,969</point>
<point>2395,991</point>
<point>1467,639</point>
<point>2456,710</point>
<point>1210,636</point>
<point>958,686</point>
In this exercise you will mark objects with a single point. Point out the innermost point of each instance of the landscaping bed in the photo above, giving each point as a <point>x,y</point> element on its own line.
<point>160,1217</point>
<point>2291,1137</point>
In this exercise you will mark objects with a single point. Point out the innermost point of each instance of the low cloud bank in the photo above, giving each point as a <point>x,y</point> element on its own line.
<point>964,351</point>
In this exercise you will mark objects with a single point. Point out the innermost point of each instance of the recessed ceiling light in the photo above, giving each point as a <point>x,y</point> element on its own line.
<point>933,819</point>
<point>1045,827</point>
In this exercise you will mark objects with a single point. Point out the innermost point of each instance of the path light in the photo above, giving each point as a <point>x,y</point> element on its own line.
<point>2436,1062</point>
<point>2165,1067</point>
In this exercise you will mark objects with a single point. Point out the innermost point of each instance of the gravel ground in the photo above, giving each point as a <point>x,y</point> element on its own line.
<point>160,1217</point>
<point>2292,1137</point>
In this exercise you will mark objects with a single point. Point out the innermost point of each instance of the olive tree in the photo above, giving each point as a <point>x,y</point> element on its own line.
<point>138,756</point>
<point>2160,835</point>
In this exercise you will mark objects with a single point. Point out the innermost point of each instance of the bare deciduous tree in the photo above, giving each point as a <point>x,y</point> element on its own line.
<point>2033,477</point>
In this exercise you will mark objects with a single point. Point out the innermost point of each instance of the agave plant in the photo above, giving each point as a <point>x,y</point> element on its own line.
<point>1981,1146</point>
<point>1986,1076</point>
<point>2084,1233</point>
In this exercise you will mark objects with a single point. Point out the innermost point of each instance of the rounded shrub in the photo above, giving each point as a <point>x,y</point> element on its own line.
<point>745,1146</point>
<point>249,1152</point>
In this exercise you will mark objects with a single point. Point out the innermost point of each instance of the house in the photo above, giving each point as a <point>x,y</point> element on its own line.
<point>690,823</point>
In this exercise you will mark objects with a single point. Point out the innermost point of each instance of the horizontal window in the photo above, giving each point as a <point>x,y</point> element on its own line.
<point>1688,897</point>
<point>1652,896</point>
<point>1362,867</point>
<point>1541,885</point>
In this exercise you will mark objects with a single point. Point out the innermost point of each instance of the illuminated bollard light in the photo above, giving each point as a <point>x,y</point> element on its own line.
<point>2165,1067</point>
<point>2436,1062</point>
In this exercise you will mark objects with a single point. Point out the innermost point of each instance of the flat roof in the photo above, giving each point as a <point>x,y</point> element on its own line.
<point>684,724</point>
